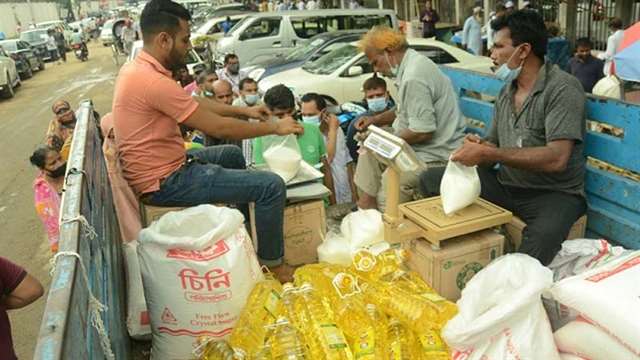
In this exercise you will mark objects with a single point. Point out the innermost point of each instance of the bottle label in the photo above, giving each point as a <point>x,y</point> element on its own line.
<point>272,302</point>
<point>431,341</point>
<point>365,345</point>
<point>333,336</point>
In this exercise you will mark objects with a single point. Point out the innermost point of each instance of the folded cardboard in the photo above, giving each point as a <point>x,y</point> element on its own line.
<point>436,226</point>
<point>304,228</point>
<point>449,269</point>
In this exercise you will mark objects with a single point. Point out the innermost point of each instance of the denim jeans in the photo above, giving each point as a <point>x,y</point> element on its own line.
<point>218,175</point>
<point>548,214</point>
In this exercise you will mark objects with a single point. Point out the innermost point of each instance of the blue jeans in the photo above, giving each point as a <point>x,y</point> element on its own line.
<point>218,175</point>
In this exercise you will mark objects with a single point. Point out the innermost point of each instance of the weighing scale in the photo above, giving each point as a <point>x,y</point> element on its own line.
<point>423,218</point>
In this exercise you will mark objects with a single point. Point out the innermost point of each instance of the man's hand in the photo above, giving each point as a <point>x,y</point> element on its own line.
<point>331,120</point>
<point>288,125</point>
<point>257,112</point>
<point>472,153</point>
<point>475,139</point>
<point>363,123</point>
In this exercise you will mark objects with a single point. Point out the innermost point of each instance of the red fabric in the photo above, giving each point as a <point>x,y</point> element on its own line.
<point>11,275</point>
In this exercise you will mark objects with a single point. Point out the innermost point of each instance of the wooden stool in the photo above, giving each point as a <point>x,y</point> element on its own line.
<point>514,229</point>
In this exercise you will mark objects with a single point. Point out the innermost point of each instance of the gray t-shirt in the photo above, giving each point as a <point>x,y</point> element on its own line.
<point>427,103</point>
<point>554,110</point>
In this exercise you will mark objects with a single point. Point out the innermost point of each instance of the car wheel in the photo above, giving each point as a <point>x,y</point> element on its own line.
<point>28,73</point>
<point>9,92</point>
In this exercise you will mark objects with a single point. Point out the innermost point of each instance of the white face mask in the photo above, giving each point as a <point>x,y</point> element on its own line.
<point>314,119</point>
<point>505,73</point>
<point>392,68</point>
<point>251,99</point>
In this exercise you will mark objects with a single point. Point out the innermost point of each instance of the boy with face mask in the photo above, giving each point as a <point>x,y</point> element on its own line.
<point>281,103</point>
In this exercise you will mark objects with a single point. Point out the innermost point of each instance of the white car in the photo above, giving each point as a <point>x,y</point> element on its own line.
<point>106,34</point>
<point>194,63</point>
<point>341,72</point>
<point>66,29</point>
<point>9,78</point>
<point>213,27</point>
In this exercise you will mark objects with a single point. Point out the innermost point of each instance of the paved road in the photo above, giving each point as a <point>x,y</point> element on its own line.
<point>23,121</point>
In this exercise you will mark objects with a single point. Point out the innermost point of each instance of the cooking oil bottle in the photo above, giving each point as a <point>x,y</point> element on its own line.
<point>380,323</point>
<point>432,347</point>
<point>413,284</point>
<point>402,342</point>
<point>262,308</point>
<point>383,265</point>
<point>216,350</point>
<point>320,277</point>
<point>330,342</point>
<point>287,342</point>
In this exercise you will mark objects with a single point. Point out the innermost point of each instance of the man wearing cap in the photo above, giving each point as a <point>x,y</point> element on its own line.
<point>510,6</point>
<point>472,33</point>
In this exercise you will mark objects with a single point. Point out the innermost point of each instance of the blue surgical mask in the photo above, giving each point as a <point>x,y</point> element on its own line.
<point>251,99</point>
<point>315,119</point>
<point>377,104</point>
<point>392,68</point>
<point>507,74</point>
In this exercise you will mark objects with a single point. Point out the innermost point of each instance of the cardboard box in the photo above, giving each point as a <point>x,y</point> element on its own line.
<point>514,229</point>
<point>151,213</point>
<point>305,225</point>
<point>449,269</point>
<point>436,226</point>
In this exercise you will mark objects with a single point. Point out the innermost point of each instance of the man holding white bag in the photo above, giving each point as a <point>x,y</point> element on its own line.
<point>536,137</point>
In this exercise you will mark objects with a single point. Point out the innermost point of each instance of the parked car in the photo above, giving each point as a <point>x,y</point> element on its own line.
<point>315,48</point>
<point>66,29</point>
<point>194,62</point>
<point>106,34</point>
<point>9,78</point>
<point>213,28</point>
<point>262,36</point>
<point>38,39</point>
<point>24,55</point>
<point>341,72</point>
<point>222,10</point>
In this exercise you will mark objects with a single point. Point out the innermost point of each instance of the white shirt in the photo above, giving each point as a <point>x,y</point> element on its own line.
<point>301,5</point>
<point>353,5</point>
<point>311,5</point>
<point>613,42</point>
<point>234,80</point>
<point>472,35</point>
<point>270,6</point>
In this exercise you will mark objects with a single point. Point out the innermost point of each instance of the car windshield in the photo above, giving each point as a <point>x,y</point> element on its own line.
<point>34,36</point>
<point>303,52</point>
<point>9,46</point>
<point>330,62</point>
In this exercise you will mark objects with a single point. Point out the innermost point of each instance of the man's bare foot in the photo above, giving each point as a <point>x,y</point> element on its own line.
<point>283,272</point>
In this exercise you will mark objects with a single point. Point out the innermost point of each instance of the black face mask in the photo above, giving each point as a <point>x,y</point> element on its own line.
<point>58,171</point>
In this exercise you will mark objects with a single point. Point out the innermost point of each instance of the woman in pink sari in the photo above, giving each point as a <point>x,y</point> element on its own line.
<point>47,189</point>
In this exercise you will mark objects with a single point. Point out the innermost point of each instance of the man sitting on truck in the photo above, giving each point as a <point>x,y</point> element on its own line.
<point>148,108</point>
<point>536,138</point>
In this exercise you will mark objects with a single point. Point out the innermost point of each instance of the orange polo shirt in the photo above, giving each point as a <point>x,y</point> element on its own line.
<point>148,105</point>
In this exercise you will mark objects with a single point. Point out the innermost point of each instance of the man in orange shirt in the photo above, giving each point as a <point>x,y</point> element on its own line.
<point>148,107</point>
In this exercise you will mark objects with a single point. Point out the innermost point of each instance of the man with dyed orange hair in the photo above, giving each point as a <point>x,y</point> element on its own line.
<point>427,116</point>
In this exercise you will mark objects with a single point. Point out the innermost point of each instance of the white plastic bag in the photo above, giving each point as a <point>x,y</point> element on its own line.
<point>362,228</point>
<point>459,188</point>
<point>137,314</point>
<point>335,250</point>
<point>608,296</point>
<point>198,267</point>
<point>590,342</point>
<point>500,313</point>
<point>282,155</point>
<point>576,257</point>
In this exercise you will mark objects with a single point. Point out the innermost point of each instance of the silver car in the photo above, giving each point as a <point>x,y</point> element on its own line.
<point>9,78</point>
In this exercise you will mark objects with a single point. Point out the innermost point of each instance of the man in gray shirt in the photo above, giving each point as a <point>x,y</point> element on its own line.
<point>536,137</point>
<point>427,115</point>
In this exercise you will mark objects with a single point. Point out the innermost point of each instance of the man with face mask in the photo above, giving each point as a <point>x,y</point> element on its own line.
<point>204,84</point>
<point>584,66</point>
<point>60,130</point>
<point>248,93</point>
<point>231,72</point>
<point>427,116</point>
<point>149,106</point>
<point>536,136</point>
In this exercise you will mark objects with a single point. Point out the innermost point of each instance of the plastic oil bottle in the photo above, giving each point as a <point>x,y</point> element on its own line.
<point>402,342</point>
<point>287,342</point>
<point>380,323</point>
<point>320,276</point>
<point>217,350</point>
<point>413,284</point>
<point>374,267</point>
<point>330,342</point>
<point>262,308</point>
<point>432,347</point>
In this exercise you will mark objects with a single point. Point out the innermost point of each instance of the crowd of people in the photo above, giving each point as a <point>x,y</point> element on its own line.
<point>284,5</point>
